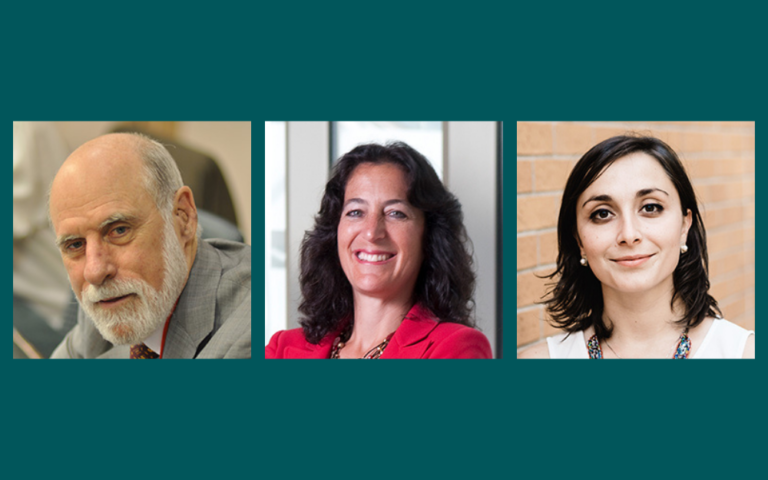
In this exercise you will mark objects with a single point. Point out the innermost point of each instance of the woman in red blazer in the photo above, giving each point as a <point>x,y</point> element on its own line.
<point>385,273</point>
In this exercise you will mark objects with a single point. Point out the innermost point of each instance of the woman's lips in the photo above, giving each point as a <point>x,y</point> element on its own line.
<point>633,260</point>
<point>373,257</point>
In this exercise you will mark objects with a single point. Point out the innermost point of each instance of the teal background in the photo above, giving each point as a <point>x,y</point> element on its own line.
<point>401,61</point>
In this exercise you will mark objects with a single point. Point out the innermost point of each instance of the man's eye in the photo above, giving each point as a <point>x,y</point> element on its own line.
<point>75,246</point>
<point>120,230</point>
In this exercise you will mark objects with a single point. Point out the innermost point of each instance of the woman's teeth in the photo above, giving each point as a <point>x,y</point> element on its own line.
<point>367,257</point>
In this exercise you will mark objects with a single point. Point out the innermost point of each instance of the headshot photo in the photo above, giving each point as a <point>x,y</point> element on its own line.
<point>390,240</point>
<point>131,240</point>
<point>636,240</point>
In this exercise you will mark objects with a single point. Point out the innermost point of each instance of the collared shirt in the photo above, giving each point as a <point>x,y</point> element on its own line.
<point>156,340</point>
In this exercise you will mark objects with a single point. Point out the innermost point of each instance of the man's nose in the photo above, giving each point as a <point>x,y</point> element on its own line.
<point>99,264</point>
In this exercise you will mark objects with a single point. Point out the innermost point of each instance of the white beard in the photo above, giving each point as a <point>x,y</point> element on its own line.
<point>143,314</point>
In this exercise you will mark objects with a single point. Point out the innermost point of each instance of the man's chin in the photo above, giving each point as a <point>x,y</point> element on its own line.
<point>120,334</point>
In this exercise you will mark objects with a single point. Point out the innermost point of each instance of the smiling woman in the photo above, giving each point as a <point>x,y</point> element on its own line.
<point>633,266</point>
<point>386,272</point>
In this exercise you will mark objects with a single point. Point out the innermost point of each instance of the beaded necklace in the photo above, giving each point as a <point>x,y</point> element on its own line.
<point>682,349</point>
<point>372,354</point>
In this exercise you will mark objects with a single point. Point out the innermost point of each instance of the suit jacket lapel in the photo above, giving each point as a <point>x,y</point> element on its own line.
<point>321,350</point>
<point>195,314</point>
<point>308,350</point>
<point>411,337</point>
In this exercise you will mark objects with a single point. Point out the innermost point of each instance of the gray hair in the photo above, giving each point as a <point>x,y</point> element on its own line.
<point>162,178</point>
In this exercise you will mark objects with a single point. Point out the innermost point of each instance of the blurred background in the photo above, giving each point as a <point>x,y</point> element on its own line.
<point>298,160</point>
<point>214,159</point>
<point>720,160</point>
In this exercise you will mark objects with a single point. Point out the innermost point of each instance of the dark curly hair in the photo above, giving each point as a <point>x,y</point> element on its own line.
<point>576,301</point>
<point>445,283</point>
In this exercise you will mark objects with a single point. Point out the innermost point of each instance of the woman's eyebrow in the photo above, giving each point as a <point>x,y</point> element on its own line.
<point>608,198</point>
<point>354,200</point>
<point>387,203</point>
<point>598,198</point>
<point>648,191</point>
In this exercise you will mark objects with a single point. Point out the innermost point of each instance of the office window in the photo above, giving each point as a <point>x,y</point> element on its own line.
<point>275,220</point>
<point>426,137</point>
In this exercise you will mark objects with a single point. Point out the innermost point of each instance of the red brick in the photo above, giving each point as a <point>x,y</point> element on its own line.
<point>673,138</point>
<point>693,142</point>
<point>734,308</point>
<point>604,133</point>
<point>724,265</point>
<point>717,217</point>
<point>552,174</point>
<point>526,252</point>
<point>524,177</point>
<point>531,288</point>
<point>537,212</point>
<point>534,138</point>
<point>749,165</point>
<point>726,288</point>
<point>528,329</point>
<point>548,247</point>
<point>573,139</point>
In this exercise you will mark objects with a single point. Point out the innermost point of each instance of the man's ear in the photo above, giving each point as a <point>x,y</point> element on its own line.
<point>185,214</point>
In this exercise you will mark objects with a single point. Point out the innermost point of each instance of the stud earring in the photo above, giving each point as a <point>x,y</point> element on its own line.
<point>583,261</point>
<point>683,248</point>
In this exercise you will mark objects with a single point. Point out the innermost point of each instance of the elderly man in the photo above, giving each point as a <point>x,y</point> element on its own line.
<point>148,287</point>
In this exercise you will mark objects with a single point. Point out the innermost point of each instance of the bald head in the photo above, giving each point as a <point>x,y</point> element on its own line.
<point>129,159</point>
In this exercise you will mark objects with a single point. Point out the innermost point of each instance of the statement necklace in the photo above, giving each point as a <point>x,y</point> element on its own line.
<point>372,354</point>
<point>682,349</point>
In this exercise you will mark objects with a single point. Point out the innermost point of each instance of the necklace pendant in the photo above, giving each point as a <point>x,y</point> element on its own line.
<point>684,347</point>
<point>593,347</point>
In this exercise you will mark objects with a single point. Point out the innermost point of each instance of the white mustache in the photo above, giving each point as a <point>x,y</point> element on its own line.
<point>114,289</point>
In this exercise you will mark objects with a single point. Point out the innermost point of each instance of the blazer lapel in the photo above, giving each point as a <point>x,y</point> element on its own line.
<point>411,337</point>
<point>309,350</point>
<point>194,317</point>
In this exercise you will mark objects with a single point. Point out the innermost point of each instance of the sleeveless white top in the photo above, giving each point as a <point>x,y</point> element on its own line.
<point>723,340</point>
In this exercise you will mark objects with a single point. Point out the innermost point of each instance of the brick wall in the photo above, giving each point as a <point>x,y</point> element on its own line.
<point>719,158</point>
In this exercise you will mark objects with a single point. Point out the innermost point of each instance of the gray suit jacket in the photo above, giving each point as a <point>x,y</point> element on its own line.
<point>212,319</point>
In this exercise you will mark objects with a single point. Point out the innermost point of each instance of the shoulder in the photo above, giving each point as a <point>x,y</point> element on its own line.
<point>283,339</point>
<point>725,339</point>
<point>539,350</point>
<point>743,339</point>
<point>231,263</point>
<point>453,340</point>
<point>562,345</point>
<point>234,257</point>
<point>749,348</point>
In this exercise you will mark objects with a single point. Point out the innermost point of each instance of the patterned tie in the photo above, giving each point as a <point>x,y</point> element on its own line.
<point>142,351</point>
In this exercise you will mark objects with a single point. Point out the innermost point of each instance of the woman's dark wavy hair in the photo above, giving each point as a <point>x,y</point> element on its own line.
<point>576,300</point>
<point>446,281</point>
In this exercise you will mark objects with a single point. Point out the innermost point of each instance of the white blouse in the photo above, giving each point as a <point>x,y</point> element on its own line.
<point>723,340</point>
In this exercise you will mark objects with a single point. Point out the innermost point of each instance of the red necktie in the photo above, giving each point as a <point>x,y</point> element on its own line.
<point>142,351</point>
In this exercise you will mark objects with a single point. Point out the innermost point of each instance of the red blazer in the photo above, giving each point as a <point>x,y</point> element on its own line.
<point>418,336</point>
